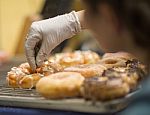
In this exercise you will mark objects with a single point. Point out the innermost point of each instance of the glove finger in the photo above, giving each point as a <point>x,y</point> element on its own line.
<point>43,53</point>
<point>30,51</point>
<point>31,59</point>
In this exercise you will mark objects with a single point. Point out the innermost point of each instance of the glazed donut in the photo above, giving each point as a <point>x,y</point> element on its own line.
<point>48,68</point>
<point>60,85</point>
<point>104,89</point>
<point>71,59</point>
<point>23,77</point>
<point>25,67</point>
<point>121,55</point>
<point>129,75</point>
<point>75,58</point>
<point>13,77</point>
<point>90,57</point>
<point>87,70</point>
<point>17,79</point>
<point>134,64</point>
<point>112,62</point>
<point>132,80</point>
<point>55,58</point>
<point>29,81</point>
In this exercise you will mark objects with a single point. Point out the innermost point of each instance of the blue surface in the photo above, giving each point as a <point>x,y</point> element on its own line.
<point>29,111</point>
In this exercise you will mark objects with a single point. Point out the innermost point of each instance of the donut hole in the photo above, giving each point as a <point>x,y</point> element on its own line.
<point>111,62</point>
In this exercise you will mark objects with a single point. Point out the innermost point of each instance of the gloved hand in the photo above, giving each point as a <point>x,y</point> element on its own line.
<point>45,35</point>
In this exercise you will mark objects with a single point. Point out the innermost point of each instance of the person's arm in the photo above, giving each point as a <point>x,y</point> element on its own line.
<point>45,35</point>
<point>80,15</point>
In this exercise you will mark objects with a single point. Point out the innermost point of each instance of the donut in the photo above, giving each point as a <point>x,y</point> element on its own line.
<point>136,65</point>
<point>25,67</point>
<point>75,58</point>
<point>129,75</point>
<point>60,85</point>
<point>112,62</point>
<point>56,57</point>
<point>132,80</point>
<point>121,55</point>
<point>67,59</point>
<point>48,68</point>
<point>23,77</point>
<point>71,59</point>
<point>87,70</point>
<point>17,79</point>
<point>104,88</point>
<point>90,57</point>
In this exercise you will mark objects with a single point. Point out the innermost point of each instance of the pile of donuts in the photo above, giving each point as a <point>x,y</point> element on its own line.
<point>82,74</point>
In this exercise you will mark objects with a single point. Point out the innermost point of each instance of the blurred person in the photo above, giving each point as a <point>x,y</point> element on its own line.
<point>118,25</point>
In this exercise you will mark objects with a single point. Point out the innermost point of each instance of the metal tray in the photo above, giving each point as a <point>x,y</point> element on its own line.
<point>31,99</point>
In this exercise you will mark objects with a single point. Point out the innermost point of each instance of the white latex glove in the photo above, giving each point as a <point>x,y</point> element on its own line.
<point>45,35</point>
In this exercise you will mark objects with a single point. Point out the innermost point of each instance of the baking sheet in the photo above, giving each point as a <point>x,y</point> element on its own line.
<point>31,99</point>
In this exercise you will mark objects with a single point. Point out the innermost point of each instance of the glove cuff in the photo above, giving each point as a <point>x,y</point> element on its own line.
<point>77,22</point>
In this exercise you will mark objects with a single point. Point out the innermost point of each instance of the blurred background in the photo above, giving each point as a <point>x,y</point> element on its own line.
<point>16,17</point>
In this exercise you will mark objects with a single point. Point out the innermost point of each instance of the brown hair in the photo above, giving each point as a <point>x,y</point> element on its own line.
<point>135,14</point>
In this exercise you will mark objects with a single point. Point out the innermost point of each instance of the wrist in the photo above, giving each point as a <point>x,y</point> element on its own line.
<point>80,15</point>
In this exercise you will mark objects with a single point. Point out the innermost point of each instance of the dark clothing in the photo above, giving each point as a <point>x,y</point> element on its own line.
<point>53,8</point>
